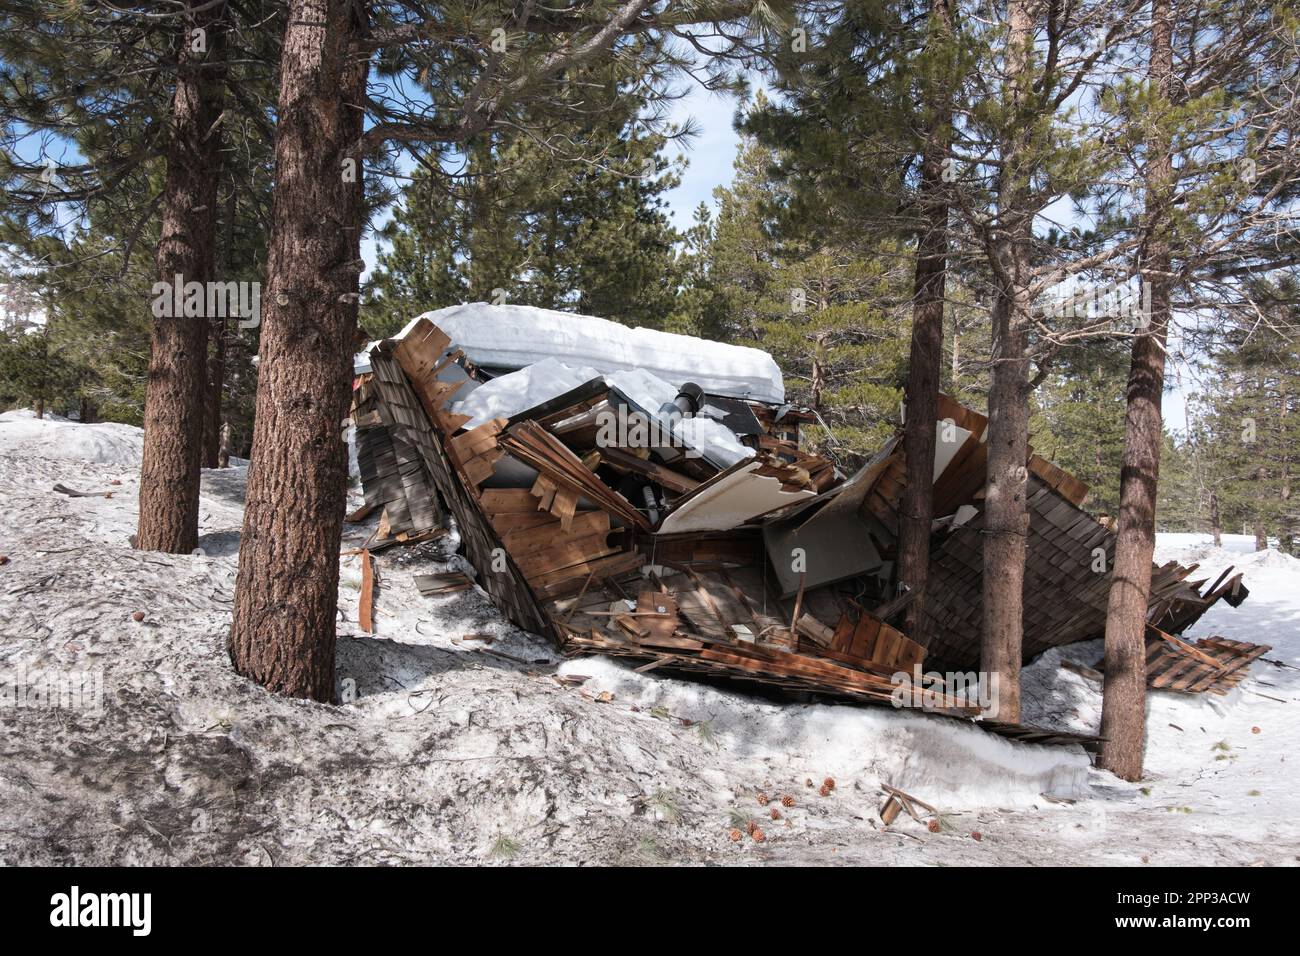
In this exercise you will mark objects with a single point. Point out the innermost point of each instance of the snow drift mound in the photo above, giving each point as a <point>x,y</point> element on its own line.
<point>105,443</point>
<point>940,761</point>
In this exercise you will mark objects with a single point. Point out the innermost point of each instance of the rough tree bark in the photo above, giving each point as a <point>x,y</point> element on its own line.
<point>916,507</point>
<point>1006,518</point>
<point>173,406</point>
<point>286,594</point>
<point>1123,714</point>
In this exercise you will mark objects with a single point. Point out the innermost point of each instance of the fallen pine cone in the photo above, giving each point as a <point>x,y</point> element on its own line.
<point>787,801</point>
<point>829,783</point>
<point>750,827</point>
<point>933,826</point>
<point>4,559</point>
<point>825,791</point>
<point>763,799</point>
<point>775,814</point>
<point>976,835</point>
<point>736,836</point>
<point>758,835</point>
<point>138,616</point>
<point>1253,730</point>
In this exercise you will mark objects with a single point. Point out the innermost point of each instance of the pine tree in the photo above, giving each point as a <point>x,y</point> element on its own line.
<point>283,633</point>
<point>536,225</point>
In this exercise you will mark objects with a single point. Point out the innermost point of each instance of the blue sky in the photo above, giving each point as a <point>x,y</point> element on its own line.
<point>709,155</point>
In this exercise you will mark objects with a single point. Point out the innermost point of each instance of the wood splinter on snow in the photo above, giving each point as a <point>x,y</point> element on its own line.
<point>898,801</point>
<point>74,493</point>
<point>365,612</point>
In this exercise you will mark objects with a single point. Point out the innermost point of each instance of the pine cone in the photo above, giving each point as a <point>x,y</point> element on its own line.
<point>976,835</point>
<point>933,826</point>
<point>775,814</point>
<point>829,783</point>
<point>736,836</point>
<point>750,827</point>
<point>758,835</point>
<point>763,799</point>
<point>787,801</point>
<point>825,791</point>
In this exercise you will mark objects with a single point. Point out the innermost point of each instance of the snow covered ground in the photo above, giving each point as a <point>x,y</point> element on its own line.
<point>469,741</point>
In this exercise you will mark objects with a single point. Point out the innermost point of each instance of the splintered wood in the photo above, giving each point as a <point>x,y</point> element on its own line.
<point>1212,664</point>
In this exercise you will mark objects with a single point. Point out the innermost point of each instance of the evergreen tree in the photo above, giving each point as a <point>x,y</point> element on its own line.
<point>535,224</point>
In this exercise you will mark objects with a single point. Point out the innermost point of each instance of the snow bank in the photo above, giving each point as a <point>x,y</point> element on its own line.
<point>512,336</point>
<point>24,414</point>
<point>105,442</point>
<point>940,761</point>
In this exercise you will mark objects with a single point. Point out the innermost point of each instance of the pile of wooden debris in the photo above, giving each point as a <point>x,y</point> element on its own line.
<point>590,518</point>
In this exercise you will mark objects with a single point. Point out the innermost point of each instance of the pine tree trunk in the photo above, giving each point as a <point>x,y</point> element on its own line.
<point>223,450</point>
<point>916,507</point>
<point>173,406</point>
<point>218,331</point>
<point>1216,520</point>
<point>216,374</point>
<point>286,595</point>
<point>1285,542</point>
<point>1123,715</point>
<point>1006,518</point>
<point>1261,533</point>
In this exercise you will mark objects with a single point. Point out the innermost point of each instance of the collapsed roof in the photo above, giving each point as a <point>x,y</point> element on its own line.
<point>665,512</point>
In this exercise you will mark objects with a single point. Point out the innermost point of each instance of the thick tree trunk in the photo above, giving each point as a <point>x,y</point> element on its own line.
<point>40,408</point>
<point>916,507</point>
<point>1006,518</point>
<point>1216,520</point>
<point>286,594</point>
<point>1123,714</point>
<point>173,407</point>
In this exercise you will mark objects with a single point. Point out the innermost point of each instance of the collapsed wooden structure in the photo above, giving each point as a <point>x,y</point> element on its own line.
<point>774,568</point>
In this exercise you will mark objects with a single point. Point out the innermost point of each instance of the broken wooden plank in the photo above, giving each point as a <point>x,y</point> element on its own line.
<point>365,609</point>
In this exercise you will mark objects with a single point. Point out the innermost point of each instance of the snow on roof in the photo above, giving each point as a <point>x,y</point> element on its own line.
<point>514,336</point>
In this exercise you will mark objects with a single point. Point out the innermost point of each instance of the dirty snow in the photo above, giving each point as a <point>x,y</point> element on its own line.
<point>457,749</point>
